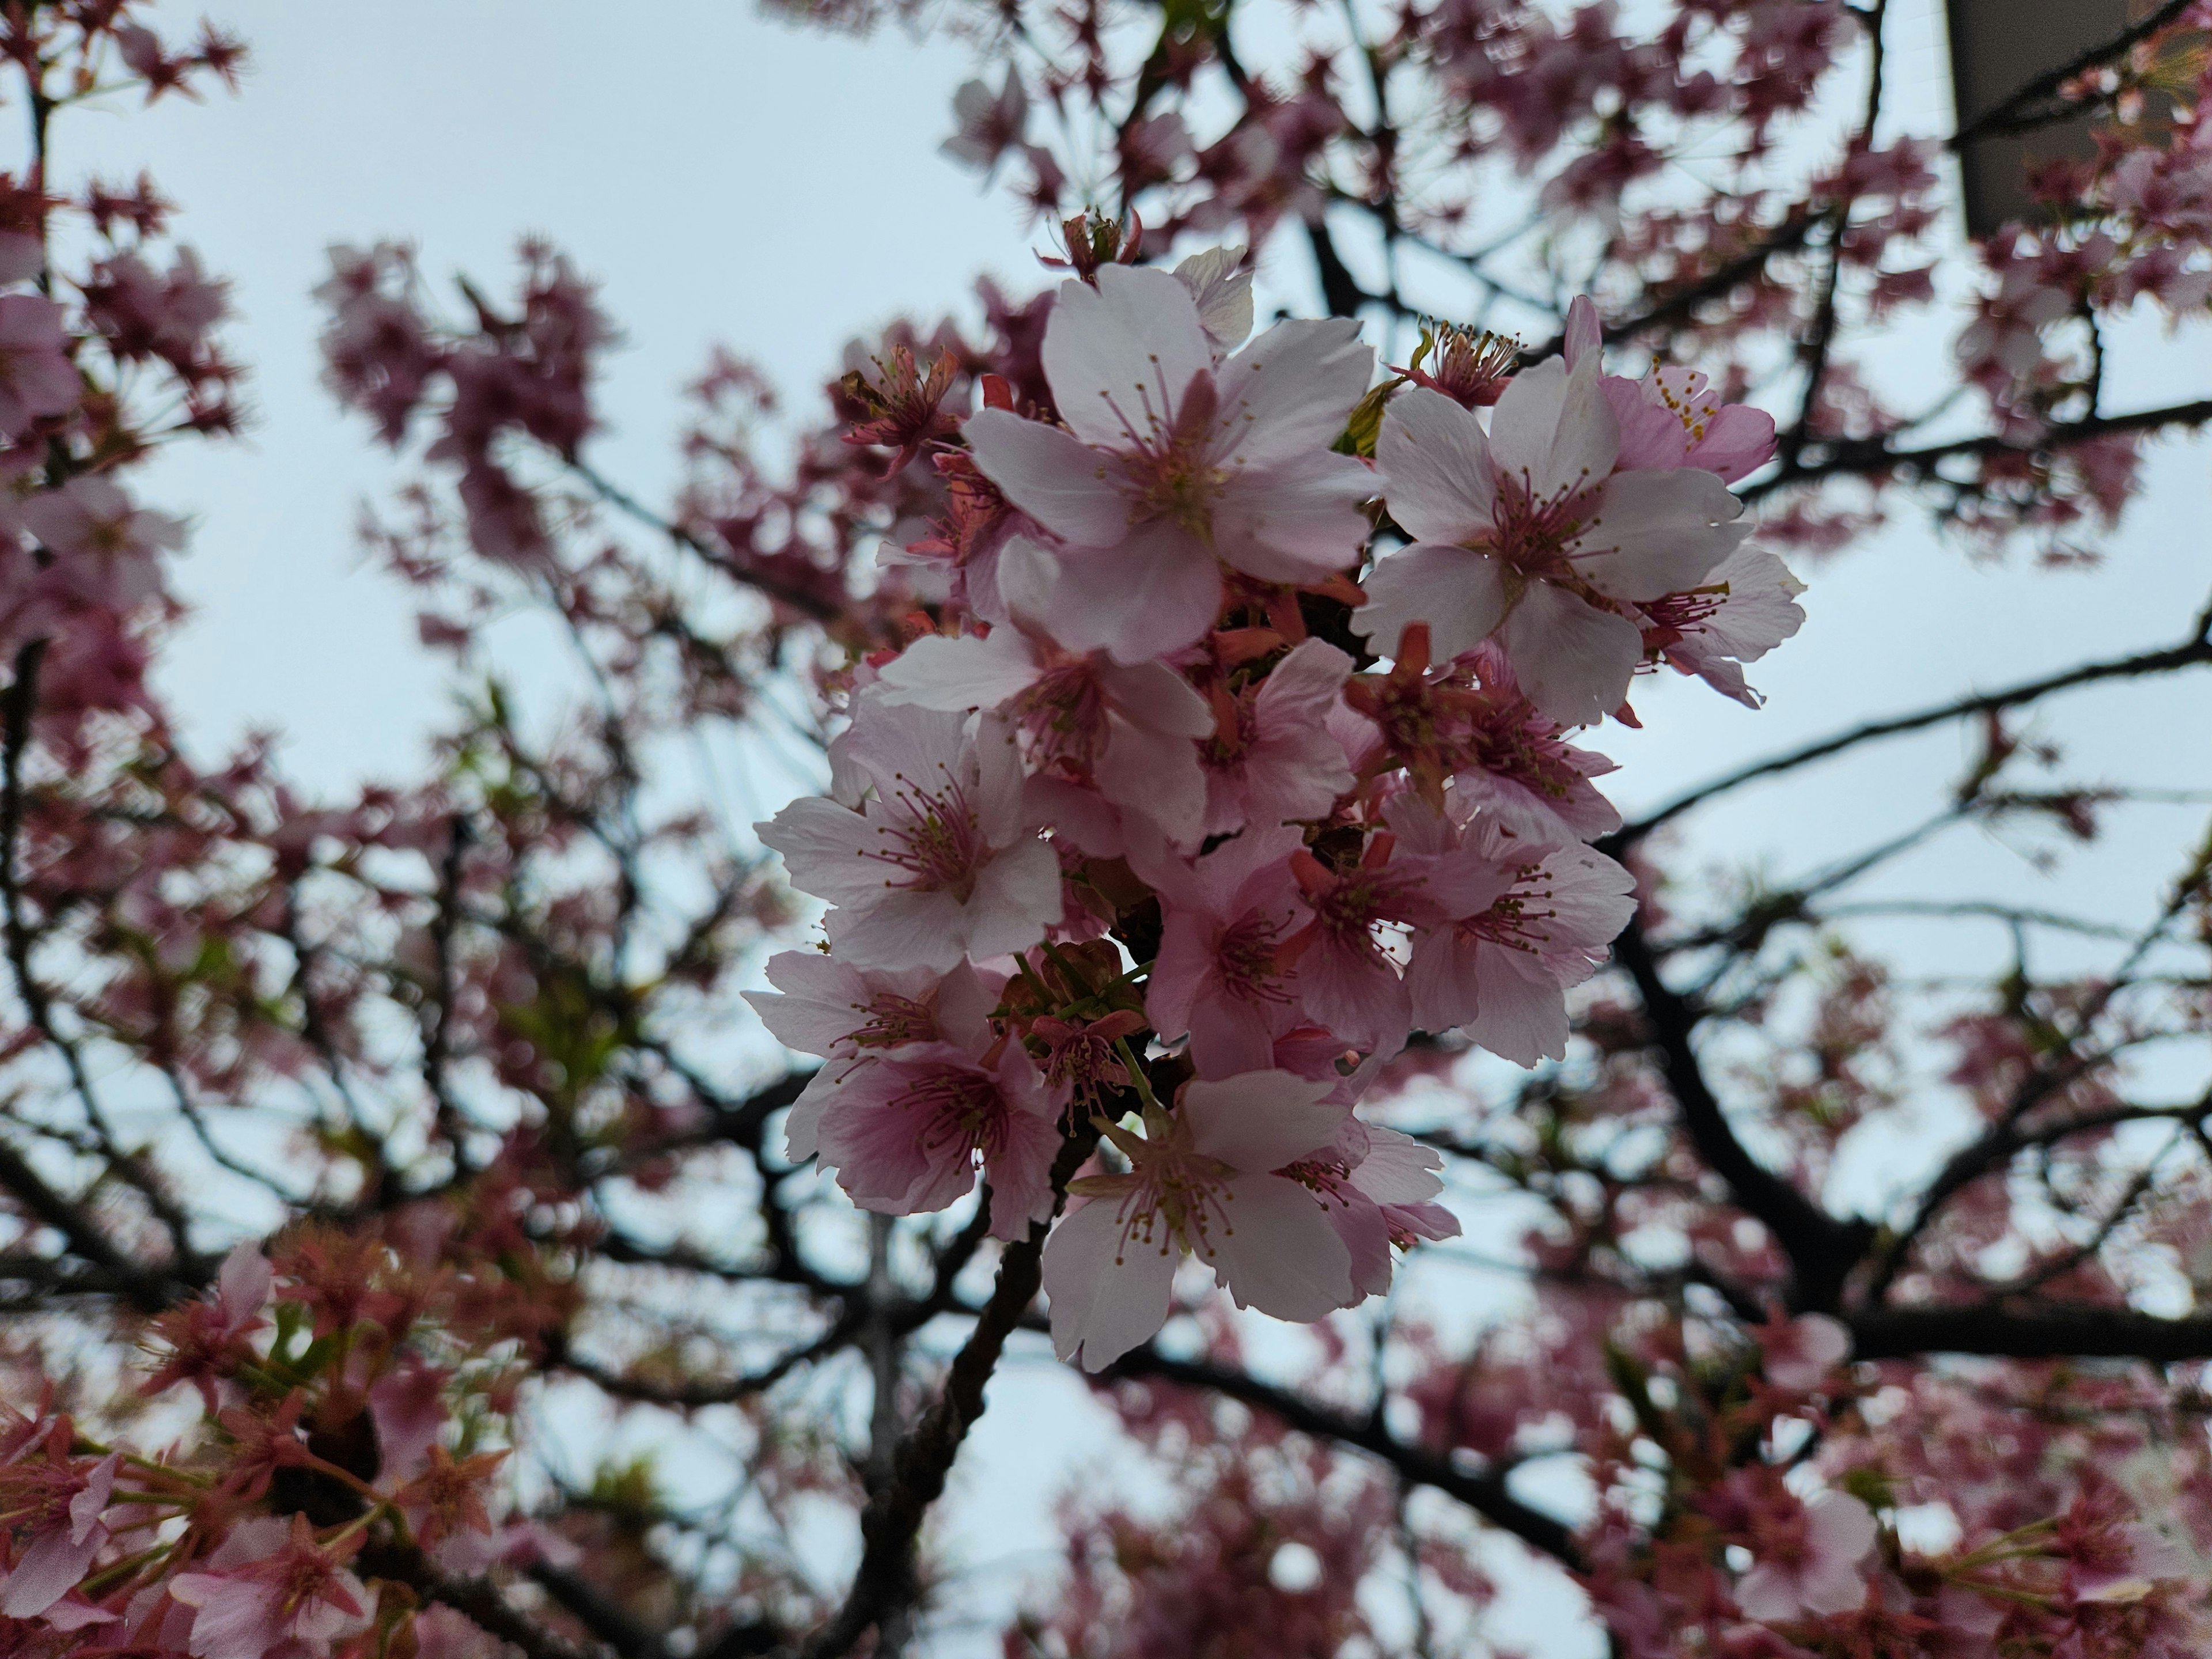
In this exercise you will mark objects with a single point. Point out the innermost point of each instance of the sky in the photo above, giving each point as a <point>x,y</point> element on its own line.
<point>728,178</point>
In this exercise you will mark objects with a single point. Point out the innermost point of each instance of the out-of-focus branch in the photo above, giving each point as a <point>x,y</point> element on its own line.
<point>1486,1494</point>
<point>478,1599</point>
<point>1858,457</point>
<point>1821,1248</point>
<point>2049,1331</point>
<point>2194,652</point>
<point>2038,104</point>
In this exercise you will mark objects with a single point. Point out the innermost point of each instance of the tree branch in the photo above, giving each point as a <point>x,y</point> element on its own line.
<point>1486,1494</point>
<point>892,1519</point>
<point>2194,652</point>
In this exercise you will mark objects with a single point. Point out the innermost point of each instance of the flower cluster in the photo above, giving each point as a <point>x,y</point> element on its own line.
<point>1131,853</point>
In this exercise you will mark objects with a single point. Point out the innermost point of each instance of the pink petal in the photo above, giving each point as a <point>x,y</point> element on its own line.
<point>1274,1249</point>
<point>1106,1296</point>
<point>1286,397</point>
<point>1552,430</point>
<point>1460,594</point>
<point>1149,595</point>
<point>1295,522</point>
<point>1260,1121</point>
<point>1121,352</point>
<point>1573,661</point>
<point>936,673</point>
<point>1658,533</point>
<point>1050,476</point>
<point>1438,462</point>
<point>53,1566</point>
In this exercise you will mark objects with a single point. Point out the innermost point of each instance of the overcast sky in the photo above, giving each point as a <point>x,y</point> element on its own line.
<point>729,179</point>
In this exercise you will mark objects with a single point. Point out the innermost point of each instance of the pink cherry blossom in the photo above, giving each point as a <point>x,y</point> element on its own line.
<point>1272,759</point>
<point>925,851</point>
<point>1527,531</point>
<point>991,123</point>
<point>271,1589</point>
<point>36,376</point>
<point>1350,977</point>
<point>822,1005</point>
<point>1377,1187</point>
<point>55,1505</point>
<point>907,1129</point>
<point>1742,611</point>
<point>1810,1564</point>
<point>105,549</point>
<point>1803,1352</point>
<point>1523,774</point>
<point>1200,1178</point>
<point>1221,974</point>
<point>852,1018</point>
<point>1168,469</point>
<point>1673,417</point>
<point>1130,731</point>
<point>1500,969</point>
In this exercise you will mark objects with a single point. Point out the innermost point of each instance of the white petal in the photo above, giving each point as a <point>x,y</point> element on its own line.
<point>1153,593</point>
<point>1553,430</point>
<point>821,842</point>
<point>1295,522</point>
<point>1016,897</point>
<point>1065,487</point>
<point>1156,775</point>
<point>1460,594</point>
<point>1106,1296</point>
<point>1121,353</point>
<point>900,928</point>
<point>1260,1121</point>
<point>1287,395</point>
<point>1438,460</point>
<point>1153,695</point>
<point>936,673</point>
<point>1659,532</point>
<point>1222,293</point>
<point>1274,1249</point>
<point>1573,661</point>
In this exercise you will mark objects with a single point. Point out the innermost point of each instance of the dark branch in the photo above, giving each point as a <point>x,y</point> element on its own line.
<point>1486,1494</point>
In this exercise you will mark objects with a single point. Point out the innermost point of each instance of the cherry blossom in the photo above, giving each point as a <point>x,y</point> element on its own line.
<point>1745,608</point>
<point>1168,469</point>
<point>1271,759</point>
<point>1500,967</point>
<point>1130,730</point>
<point>271,1589</point>
<point>1222,974</point>
<point>56,1506</point>
<point>1377,1187</point>
<point>36,376</point>
<point>1528,529</point>
<point>991,123</point>
<point>106,549</point>
<point>1811,1564</point>
<point>926,853</point>
<point>907,1129</point>
<point>1199,1179</point>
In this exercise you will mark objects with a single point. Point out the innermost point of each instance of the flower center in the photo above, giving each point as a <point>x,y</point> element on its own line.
<point>1167,465</point>
<point>959,1110</point>
<point>1244,958</point>
<point>936,841</point>
<point>1517,920</point>
<point>1534,533</point>
<point>890,1020</point>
